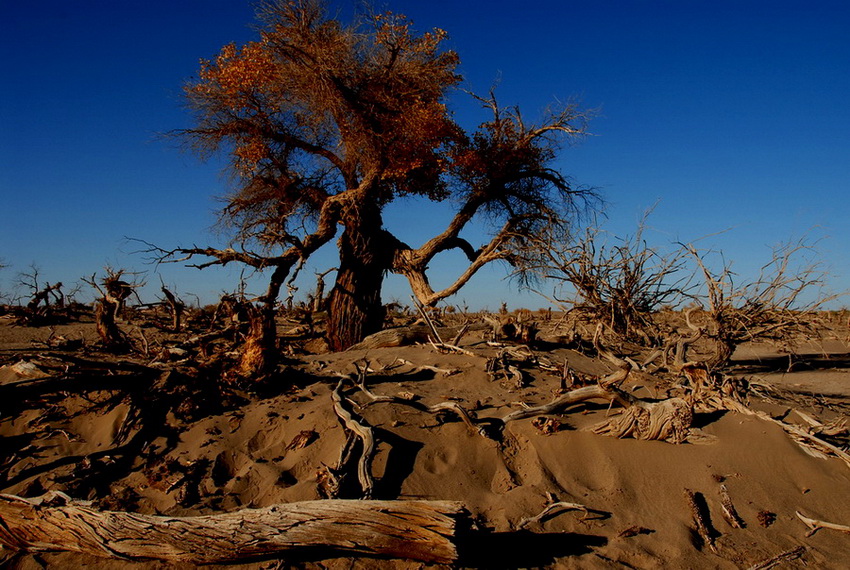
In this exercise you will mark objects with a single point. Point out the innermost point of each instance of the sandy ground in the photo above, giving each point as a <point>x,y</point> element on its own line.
<point>255,450</point>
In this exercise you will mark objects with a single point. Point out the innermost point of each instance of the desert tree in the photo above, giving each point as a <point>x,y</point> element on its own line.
<point>176,307</point>
<point>114,290</point>
<point>3,265</point>
<point>779,304</point>
<point>600,278</point>
<point>324,123</point>
<point>43,297</point>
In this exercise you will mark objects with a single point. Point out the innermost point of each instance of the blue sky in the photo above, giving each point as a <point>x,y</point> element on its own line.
<point>729,115</point>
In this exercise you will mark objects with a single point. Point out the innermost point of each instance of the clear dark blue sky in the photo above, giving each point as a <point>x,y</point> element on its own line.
<point>730,114</point>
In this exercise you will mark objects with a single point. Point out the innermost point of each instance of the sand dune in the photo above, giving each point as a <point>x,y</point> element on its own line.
<point>185,456</point>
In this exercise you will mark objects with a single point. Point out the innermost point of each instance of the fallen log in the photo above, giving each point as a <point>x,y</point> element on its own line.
<point>401,336</point>
<point>405,336</point>
<point>415,530</point>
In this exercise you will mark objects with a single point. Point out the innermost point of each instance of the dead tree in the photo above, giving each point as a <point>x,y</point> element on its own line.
<point>111,335</point>
<point>175,307</point>
<point>259,353</point>
<point>44,298</point>
<point>318,301</point>
<point>117,290</point>
<point>226,312</point>
<point>619,282</point>
<point>113,293</point>
<point>778,305</point>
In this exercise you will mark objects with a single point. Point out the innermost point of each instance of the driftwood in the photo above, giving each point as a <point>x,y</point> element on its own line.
<point>448,406</point>
<point>815,525</point>
<point>809,442</point>
<point>421,367</point>
<point>555,507</point>
<point>364,432</point>
<point>667,420</point>
<point>400,336</point>
<point>727,508</point>
<point>420,334</point>
<point>404,336</point>
<point>786,556</point>
<point>699,510</point>
<point>558,404</point>
<point>416,530</point>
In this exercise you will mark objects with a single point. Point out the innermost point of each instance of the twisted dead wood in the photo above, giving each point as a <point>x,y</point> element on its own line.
<point>416,530</point>
<point>702,522</point>
<point>364,432</point>
<point>416,334</point>
<point>728,510</point>
<point>667,420</point>
<point>815,525</point>
<point>804,438</point>
<point>786,556</point>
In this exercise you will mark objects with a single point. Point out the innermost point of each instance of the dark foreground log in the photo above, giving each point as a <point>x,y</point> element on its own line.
<point>416,530</point>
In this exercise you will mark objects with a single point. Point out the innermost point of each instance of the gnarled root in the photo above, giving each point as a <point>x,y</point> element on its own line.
<point>668,420</point>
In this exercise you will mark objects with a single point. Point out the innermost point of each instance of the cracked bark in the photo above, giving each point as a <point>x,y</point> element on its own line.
<point>416,530</point>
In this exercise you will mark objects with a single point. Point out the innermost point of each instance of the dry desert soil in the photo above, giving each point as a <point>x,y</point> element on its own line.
<point>159,434</point>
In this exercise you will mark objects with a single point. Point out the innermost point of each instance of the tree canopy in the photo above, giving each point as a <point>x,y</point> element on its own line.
<point>324,123</point>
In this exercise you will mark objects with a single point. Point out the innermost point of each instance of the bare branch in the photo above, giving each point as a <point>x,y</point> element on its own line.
<point>777,305</point>
<point>616,281</point>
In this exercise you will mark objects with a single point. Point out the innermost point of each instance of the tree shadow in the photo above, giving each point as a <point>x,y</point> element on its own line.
<point>150,396</point>
<point>796,362</point>
<point>702,420</point>
<point>522,549</point>
<point>399,466</point>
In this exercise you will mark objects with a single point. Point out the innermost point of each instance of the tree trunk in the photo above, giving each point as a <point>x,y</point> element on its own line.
<point>111,336</point>
<point>260,353</point>
<point>416,530</point>
<point>365,254</point>
<point>175,307</point>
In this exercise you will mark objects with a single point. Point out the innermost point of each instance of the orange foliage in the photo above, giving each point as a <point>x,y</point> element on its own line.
<point>374,100</point>
<point>237,73</point>
<point>250,154</point>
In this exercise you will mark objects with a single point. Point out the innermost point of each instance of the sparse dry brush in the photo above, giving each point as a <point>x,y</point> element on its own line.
<point>623,283</point>
<point>620,282</point>
<point>778,305</point>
